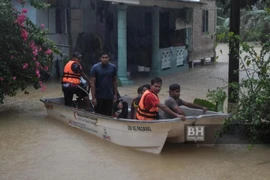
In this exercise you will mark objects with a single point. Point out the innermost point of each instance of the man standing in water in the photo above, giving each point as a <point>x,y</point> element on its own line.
<point>173,102</point>
<point>149,103</point>
<point>72,79</point>
<point>104,85</point>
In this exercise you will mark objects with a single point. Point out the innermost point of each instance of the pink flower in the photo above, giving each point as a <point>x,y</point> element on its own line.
<point>32,45</point>
<point>24,34</point>
<point>37,73</point>
<point>35,52</point>
<point>37,64</point>
<point>20,19</point>
<point>25,66</point>
<point>1,79</point>
<point>12,57</point>
<point>42,25</point>
<point>46,68</point>
<point>24,10</point>
<point>48,51</point>
<point>43,88</point>
<point>34,58</point>
<point>14,78</point>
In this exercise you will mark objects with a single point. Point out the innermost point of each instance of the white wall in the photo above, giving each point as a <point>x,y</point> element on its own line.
<point>31,11</point>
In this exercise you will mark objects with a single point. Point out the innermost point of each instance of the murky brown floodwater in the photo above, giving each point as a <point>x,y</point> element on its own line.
<point>34,147</point>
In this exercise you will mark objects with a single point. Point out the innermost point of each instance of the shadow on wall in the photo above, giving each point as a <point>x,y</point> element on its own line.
<point>89,45</point>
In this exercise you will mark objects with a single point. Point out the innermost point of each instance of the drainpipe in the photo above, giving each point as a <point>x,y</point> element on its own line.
<point>155,68</point>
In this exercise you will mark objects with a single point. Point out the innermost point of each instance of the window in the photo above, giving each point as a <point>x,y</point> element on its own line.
<point>61,20</point>
<point>205,21</point>
<point>57,20</point>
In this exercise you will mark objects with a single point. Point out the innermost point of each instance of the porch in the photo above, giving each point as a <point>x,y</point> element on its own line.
<point>151,41</point>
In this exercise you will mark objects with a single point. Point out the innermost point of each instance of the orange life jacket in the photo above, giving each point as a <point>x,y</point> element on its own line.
<point>144,114</point>
<point>69,76</point>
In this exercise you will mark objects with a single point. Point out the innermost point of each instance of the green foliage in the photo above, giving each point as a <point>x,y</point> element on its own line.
<point>38,4</point>
<point>255,20</point>
<point>218,97</point>
<point>254,24</point>
<point>204,103</point>
<point>254,90</point>
<point>25,51</point>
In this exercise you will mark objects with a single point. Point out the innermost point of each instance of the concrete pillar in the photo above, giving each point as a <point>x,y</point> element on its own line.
<point>155,68</point>
<point>122,44</point>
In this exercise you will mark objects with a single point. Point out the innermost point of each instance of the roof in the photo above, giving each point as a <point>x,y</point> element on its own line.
<point>160,3</point>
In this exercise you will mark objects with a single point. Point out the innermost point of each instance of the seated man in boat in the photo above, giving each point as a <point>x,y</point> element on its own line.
<point>173,102</point>
<point>149,103</point>
<point>135,102</point>
<point>120,107</point>
<point>72,79</point>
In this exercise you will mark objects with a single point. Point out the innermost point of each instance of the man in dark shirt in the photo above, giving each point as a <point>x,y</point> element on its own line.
<point>173,102</point>
<point>103,85</point>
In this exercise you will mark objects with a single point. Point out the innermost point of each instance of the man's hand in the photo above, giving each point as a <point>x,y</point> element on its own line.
<point>204,109</point>
<point>94,101</point>
<point>181,117</point>
<point>115,98</point>
<point>120,105</point>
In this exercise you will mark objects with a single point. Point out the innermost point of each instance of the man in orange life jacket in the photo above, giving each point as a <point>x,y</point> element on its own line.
<point>149,103</point>
<point>72,79</point>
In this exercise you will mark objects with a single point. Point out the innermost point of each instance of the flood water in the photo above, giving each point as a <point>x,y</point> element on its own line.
<point>35,147</point>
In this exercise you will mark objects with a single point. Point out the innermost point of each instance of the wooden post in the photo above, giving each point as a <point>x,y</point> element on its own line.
<point>234,54</point>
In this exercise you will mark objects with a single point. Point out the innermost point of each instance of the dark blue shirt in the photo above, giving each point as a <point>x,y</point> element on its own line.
<point>104,80</point>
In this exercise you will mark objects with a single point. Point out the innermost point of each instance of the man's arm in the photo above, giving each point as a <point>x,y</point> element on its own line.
<point>93,85</point>
<point>171,103</point>
<point>167,110</point>
<point>86,78</point>
<point>115,87</point>
<point>178,110</point>
<point>93,90</point>
<point>191,105</point>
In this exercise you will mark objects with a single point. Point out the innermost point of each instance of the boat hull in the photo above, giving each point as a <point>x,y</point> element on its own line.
<point>211,121</point>
<point>146,136</point>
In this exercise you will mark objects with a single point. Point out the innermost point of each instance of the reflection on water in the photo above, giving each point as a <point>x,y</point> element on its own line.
<point>32,147</point>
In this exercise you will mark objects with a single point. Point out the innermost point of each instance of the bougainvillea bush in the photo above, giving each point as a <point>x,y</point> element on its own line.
<point>25,51</point>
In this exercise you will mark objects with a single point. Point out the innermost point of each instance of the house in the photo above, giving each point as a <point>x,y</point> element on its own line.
<point>149,37</point>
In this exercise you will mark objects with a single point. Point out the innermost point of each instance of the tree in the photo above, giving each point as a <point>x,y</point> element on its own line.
<point>253,91</point>
<point>25,51</point>
<point>255,22</point>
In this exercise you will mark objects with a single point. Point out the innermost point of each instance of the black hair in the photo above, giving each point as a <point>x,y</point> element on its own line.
<point>156,80</point>
<point>76,55</point>
<point>104,52</point>
<point>140,89</point>
<point>147,86</point>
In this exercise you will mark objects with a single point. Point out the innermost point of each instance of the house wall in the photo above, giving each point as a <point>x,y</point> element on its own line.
<point>31,11</point>
<point>47,17</point>
<point>203,43</point>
